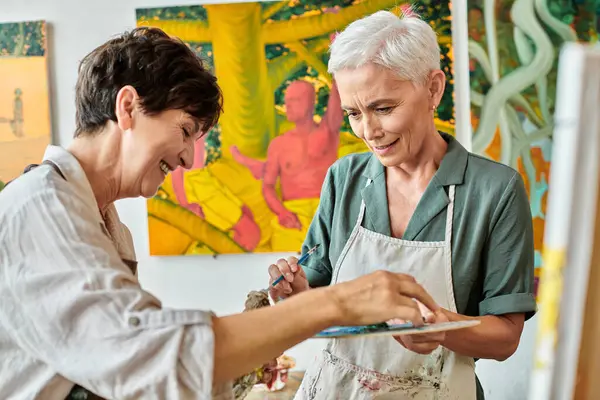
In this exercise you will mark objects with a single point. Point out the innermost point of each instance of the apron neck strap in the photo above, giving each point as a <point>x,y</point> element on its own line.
<point>361,214</point>
<point>449,215</point>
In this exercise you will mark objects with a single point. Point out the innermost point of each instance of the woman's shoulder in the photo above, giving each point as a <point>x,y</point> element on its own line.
<point>494,184</point>
<point>27,185</point>
<point>351,164</point>
<point>488,173</point>
<point>41,187</point>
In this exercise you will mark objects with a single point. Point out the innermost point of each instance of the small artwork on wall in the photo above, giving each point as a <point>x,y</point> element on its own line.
<point>270,59</point>
<point>24,100</point>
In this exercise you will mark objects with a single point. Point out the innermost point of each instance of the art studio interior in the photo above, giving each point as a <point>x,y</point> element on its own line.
<point>299,199</point>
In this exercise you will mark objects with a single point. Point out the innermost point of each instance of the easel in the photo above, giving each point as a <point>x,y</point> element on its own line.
<point>567,357</point>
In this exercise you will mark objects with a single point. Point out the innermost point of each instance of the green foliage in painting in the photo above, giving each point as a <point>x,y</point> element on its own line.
<point>583,18</point>
<point>302,7</point>
<point>437,13</point>
<point>2,184</point>
<point>213,144</point>
<point>23,39</point>
<point>184,12</point>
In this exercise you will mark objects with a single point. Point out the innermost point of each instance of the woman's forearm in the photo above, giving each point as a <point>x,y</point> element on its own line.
<point>497,337</point>
<point>247,340</point>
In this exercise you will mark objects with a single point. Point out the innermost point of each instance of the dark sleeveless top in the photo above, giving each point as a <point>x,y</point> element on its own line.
<point>79,392</point>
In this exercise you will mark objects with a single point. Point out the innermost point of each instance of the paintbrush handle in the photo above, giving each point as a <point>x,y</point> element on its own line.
<point>276,281</point>
<point>301,260</point>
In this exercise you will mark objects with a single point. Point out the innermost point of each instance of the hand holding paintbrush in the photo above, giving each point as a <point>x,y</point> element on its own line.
<point>288,277</point>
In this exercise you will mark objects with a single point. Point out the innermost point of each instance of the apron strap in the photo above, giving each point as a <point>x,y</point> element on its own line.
<point>449,215</point>
<point>361,213</point>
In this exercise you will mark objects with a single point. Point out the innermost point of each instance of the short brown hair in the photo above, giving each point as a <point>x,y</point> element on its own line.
<point>165,72</point>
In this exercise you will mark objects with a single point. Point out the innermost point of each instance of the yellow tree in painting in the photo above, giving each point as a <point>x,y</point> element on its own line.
<point>239,33</point>
<point>255,50</point>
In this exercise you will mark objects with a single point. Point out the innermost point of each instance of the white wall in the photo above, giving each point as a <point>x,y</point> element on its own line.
<point>75,28</point>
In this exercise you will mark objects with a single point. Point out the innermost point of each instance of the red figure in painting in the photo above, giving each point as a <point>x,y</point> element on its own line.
<point>206,197</point>
<point>300,159</point>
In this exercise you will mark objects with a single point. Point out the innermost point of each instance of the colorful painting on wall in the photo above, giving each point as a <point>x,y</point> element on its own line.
<point>24,100</point>
<point>514,47</point>
<point>280,104</point>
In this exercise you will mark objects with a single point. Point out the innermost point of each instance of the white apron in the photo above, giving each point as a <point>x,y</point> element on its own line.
<point>379,367</point>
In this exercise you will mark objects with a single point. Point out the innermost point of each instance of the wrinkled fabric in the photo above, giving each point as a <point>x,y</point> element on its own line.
<point>72,312</point>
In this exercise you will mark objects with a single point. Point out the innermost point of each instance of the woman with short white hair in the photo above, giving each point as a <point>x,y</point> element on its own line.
<point>420,204</point>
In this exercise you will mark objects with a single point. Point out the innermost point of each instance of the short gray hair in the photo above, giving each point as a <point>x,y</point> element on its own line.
<point>406,45</point>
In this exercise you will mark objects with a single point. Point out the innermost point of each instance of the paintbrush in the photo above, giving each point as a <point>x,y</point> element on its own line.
<point>300,261</point>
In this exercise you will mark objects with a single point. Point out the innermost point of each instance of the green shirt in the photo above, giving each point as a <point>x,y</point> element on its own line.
<point>492,232</point>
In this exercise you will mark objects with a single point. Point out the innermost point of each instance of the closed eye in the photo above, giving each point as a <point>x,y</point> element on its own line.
<point>186,133</point>
<point>352,114</point>
<point>384,110</point>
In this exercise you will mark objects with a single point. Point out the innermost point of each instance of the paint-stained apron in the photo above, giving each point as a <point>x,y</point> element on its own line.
<point>379,367</point>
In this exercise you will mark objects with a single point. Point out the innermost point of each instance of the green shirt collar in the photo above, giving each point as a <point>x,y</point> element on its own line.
<point>451,170</point>
<point>434,200</point>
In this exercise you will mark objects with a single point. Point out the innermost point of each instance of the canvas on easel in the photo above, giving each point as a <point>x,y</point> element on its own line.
<point>567,344</point>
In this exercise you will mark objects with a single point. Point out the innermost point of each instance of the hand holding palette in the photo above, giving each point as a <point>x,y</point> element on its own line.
<point>385,329</point>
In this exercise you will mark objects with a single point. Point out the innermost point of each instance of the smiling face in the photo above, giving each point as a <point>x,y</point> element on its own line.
<point>392,116</point>
<point>153,145</point>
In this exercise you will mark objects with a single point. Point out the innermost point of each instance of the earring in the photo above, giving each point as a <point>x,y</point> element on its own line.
<point>433,108</point>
